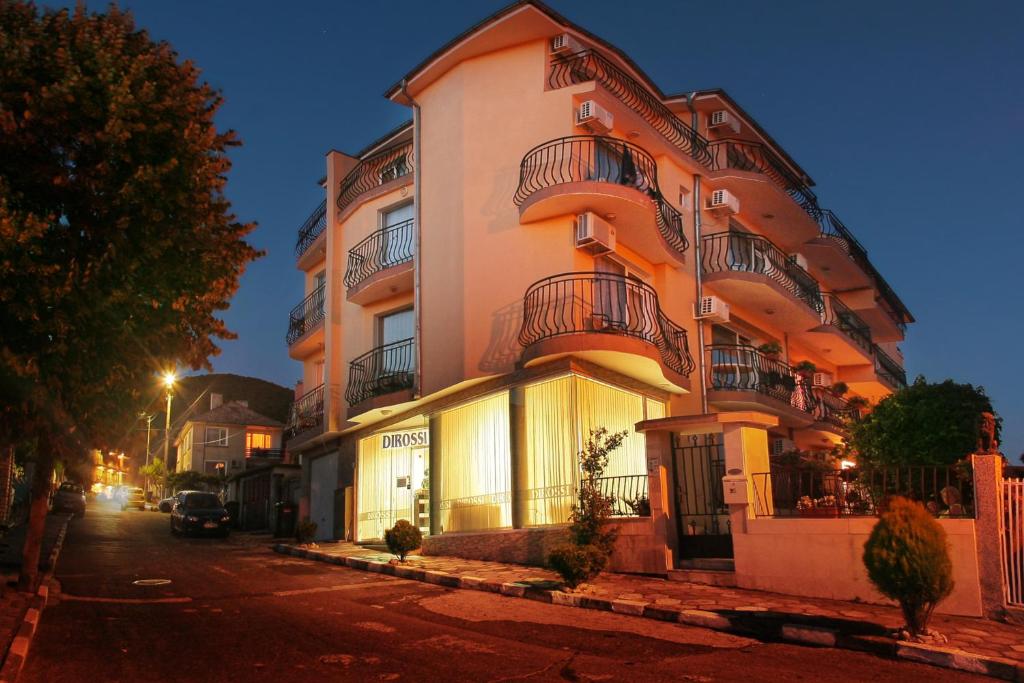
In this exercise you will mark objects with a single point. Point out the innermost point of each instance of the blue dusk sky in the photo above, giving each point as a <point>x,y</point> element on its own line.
<point>908,115</point>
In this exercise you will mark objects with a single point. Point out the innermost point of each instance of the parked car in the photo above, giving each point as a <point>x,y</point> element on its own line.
<point>70,497</point>
<point>166,504</point>
<point>133,497</point>
<point>198,511</point>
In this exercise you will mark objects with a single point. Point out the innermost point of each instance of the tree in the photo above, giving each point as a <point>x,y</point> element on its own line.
<point>190,480</point>
<point>117,246</point>
<point>155,472</point>
<point>907,558</point>
<point>923,424</point>
<point>403,538</point>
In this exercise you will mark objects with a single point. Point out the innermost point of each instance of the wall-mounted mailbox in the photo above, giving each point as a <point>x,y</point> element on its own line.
<point>735,489</point>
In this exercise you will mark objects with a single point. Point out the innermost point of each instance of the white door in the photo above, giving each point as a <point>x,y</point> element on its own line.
<point>323,480</point>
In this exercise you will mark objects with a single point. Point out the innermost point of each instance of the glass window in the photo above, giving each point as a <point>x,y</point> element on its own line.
<point>395,169</point>
<point>257,441</point>
<point>216,436</point>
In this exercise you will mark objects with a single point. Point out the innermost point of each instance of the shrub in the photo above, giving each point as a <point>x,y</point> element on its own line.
<point>305,530</point>
<point>907,558</point>
<point>403,538</point>
<point>578,563</point>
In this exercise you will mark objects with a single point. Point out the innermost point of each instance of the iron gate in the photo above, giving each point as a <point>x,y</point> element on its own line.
<point>702,517</point>
<point>1012,541</point>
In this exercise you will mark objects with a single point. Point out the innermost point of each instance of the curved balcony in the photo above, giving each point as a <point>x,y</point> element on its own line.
<point>385,370</point>
<point>831,410</point>
<point>600,313</point>
<point>383,168</point>
<point>748,268</point>
<point>311,229</point>
<point>306,319</point>
<point>578,173</point>
<point>843,336</point>
<point>307,413</point>
<point>837,253</point>
<point>381,264</point>
<point>742,378</point>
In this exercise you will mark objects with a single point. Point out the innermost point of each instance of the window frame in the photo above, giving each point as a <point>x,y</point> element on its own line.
<point>219,442</point>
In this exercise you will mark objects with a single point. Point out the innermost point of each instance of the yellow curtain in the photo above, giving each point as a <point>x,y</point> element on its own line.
<point>551,447</point>
<point>475,466</point>
<point>601,405</point>
<point>387,485</point>
<point>655,409</point>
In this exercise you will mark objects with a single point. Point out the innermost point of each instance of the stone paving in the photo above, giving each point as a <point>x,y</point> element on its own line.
<point>978,636</point>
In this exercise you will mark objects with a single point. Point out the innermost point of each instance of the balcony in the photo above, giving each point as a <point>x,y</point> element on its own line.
<point>838,254</point>
<point>587,65</point>
<point>877,378</point>
<point>889,371</point>
<point>742,378</point>
<point>306,325</point>
<point>831,411</point>
<point>386,372</point>
<point>843,337</point>
<point>376,174</point>
<point>381,264</point>
<point>306,416</point>
<point>310,231</point>
<point>606,175</point>
<point>612,319</point>
<point>748,268</point>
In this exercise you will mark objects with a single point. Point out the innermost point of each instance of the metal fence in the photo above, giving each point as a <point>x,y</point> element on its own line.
<point>628,495</point>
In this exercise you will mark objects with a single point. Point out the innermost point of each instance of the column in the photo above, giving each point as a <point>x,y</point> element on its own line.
<point>988,488</point>
<point>517,452</point>
<point>434,458</point>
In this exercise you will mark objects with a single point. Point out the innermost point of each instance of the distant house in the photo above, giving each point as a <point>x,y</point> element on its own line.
<point>224,439</point>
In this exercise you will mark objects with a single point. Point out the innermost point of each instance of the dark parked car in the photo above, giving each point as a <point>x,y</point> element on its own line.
<point>69,498</point>
<point>200,512</point>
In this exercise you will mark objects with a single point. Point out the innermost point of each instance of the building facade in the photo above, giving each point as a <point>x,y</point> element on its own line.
<point>228,439</point>
<point>551,245</point>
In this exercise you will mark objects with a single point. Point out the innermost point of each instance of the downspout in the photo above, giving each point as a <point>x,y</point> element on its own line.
<point>697,267</point>
<point>417,244</point>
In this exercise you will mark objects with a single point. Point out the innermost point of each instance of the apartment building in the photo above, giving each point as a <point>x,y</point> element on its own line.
<point>228,439</point>
<point>552,244</point>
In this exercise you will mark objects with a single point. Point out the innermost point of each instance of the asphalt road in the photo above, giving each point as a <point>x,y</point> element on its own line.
<point>235,611</point>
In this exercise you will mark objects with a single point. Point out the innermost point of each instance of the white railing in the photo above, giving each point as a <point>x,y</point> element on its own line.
<point>1011,520</point>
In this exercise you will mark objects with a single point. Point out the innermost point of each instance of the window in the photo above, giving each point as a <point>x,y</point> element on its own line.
<point>684,198</point>
<point>396,245</point>
<point>397,327</point>
<point>394,169</point>
<point>258,441</point>
<point>216,436</point>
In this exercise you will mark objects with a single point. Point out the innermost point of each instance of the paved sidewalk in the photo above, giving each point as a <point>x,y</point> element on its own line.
<point>873,622</point>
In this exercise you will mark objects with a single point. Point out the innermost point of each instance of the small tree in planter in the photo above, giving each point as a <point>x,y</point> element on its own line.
<point>403,538</point>
<point>590,541</point>
<point>772,349</point>
<point>805,368</point>
<point>907,558</point>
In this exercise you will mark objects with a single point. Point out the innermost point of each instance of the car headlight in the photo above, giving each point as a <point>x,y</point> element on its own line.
<point>192,518</point>
<point>225,518</point>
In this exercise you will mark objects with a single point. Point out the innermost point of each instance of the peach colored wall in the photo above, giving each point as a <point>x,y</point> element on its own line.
<point>822,558</point>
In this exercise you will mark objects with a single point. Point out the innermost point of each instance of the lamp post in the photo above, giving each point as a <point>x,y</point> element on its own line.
<point>149,426</point>
<point>169,384</point>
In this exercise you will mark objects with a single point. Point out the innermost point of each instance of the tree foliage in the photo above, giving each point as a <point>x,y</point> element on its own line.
<point>907,558</point>
<point>923,424</point>
<point>189,480</point>
<point>403,538</point>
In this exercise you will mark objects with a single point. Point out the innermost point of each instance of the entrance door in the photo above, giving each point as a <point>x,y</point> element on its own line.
<point>702,517</point>
<point>323,480</point>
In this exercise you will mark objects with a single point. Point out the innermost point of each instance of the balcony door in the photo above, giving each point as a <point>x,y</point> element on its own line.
<point>396,241</point>
<point>396,327</point>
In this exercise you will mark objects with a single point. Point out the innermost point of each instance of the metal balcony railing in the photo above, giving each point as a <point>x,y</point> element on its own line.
<point>738,367</point>
<point>742,155</point>
<point>375,170</point>
<point>384,248</point>
<point>888,369</point>
<point>738,251</point>
<point>602,303</point>
<point>628,494</point>
<point>839,315</point>
<point>306,316</point>
<point>307,412</point>
<point>594,158</point>
<point>381,371</point>
<point>588,65</point>
<point>832,409</point>
<point>311,229</point>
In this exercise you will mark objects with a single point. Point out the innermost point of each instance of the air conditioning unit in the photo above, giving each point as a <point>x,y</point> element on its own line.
<point>821,379</point>
<point>594,117</point>
<point>724,201</point>
<point>800,260</point>
<point>780,446</point>
<point>711,308</point>
<point>723,119</point>
<point>564,44</point>
<point>594,234</point>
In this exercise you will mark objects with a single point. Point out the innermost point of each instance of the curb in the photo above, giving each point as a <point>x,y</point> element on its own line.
<point>14,659</point>
<point>763,625</point>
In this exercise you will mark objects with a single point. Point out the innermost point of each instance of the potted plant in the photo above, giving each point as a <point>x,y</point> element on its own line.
<point>771,349</point>
<point>857,402</point>
<point>805,368</point>
<point>839,389</point>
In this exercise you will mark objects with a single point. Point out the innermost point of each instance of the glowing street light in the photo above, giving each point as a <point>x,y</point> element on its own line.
<point>169,378</point>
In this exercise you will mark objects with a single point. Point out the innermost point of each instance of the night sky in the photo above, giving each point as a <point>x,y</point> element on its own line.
<point>909,115</point>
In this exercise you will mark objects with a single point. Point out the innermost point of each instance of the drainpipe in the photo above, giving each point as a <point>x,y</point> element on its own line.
<point>697,268</point>
<point>417,243</point>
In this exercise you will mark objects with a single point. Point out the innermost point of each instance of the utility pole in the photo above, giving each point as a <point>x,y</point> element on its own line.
<point>169,383</point>
<point>149,426</point>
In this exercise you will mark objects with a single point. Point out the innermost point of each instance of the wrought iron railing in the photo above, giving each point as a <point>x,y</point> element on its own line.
<point>307,412</point>
<point>265,453</point>
<point>742,155</point>
<point>738,251</point>
<point>381,371</point>
<point>306,316</point>
<point>738,367</point>
<point>946,491</point>
<point>311,228</point>
<point>839,315</point>
<point>603,303</point>
<point>382,249</point>
<point>375,170</point>
<point>581,158</point>
<point>588,65</point>
<point>888,369</point>
<point>832,409</point>
<point>628,495</point>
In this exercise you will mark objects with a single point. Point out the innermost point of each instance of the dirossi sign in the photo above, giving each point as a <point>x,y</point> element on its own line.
<point>406,439</point>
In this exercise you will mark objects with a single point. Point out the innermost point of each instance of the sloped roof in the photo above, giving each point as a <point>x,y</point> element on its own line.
<point>235,413</point>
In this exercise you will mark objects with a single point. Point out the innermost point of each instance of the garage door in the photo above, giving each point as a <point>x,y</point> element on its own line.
<point>323,480</point>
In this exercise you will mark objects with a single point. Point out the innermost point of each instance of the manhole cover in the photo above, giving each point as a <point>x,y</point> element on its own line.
<point>151,582</point>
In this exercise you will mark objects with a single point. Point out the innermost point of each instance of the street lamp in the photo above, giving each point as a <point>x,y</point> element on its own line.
<point>169,378</point>
<point>149,425</point>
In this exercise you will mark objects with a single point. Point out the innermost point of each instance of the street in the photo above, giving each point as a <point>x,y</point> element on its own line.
<point>237,611</point>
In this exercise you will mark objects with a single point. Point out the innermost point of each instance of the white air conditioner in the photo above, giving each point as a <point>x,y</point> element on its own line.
<point>800,260</point>
<point>724,201</point>
<point>821,379</point>
<point>711,308</point>
<point>594,234</point>
<point>780,446</point>
<point>564,44</point>
<point>723,119</point>
<point>594,117</point>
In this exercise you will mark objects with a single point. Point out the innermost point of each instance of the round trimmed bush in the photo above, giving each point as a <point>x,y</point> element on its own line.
<point>403,538</point>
